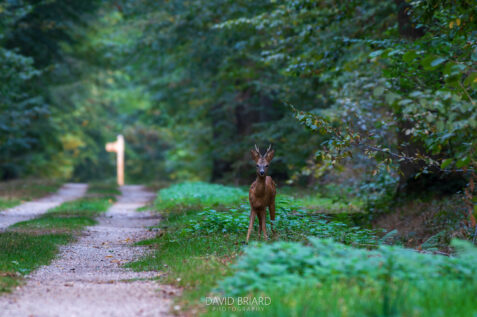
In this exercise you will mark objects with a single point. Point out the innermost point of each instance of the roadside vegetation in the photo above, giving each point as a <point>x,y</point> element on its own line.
<point>14,192</point>
<point>326,278</point>
<point>315,264</point>
<point>27,245</point>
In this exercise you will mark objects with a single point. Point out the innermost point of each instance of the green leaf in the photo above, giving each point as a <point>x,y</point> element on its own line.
<point>376,53</point>
<point>409,56</point>
<point>463,162</point>
<point>453,69</point>
<point>431,62</point>
<point>446,163</point>
<point>437,61</point>
<point>471,79</point>
<point>391,97</point>
<point>378,91</point>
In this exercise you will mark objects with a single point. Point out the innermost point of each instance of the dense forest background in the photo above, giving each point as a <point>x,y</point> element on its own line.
<point>375,94</point>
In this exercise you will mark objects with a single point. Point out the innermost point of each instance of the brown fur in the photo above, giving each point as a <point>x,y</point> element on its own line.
<point>262,193</point>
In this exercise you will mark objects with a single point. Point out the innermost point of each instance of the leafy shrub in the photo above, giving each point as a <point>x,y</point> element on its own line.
<point>210,221</point>
<point>197,194</point>
<point>287,265</point>
<point>378,192</point>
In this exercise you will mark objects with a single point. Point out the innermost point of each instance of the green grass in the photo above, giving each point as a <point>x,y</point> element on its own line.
<point>53,222</point>
<point>104,189</point>
<point>29,244</point>
<point>328,205</point>
<point>88,206</point>
<point>21,253</point>
<point>327,199</point>
<point>351,299</point>
<point>191,195</point>
<point>6,203</point>
<point>13,193</point>
<point>70,216</point>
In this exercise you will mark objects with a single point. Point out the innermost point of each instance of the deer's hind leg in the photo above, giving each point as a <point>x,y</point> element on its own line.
<point>250,225</point>
<point>271,208</point>
<point>259,225</point>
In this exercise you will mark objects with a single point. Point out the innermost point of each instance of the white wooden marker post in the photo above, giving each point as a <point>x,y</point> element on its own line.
<point>118,147</point>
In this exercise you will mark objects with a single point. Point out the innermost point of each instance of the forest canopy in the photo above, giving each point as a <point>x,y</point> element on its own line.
<point>378,92</point>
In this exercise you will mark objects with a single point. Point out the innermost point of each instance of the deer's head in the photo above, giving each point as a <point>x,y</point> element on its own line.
<point>262,161</point>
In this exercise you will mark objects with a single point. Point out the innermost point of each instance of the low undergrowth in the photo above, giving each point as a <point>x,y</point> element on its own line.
<point>201,235</point>
<point>29,244</point>
<point>314,265</point>
<point>13,193</point>
<point>347,281</point>
<point>291,224</point>
<point>286,265</point>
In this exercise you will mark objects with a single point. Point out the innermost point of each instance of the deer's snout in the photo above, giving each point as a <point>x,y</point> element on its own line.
<point>262,172</point>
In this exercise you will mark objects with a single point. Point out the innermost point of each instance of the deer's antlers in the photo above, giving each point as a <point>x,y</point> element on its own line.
<point>269,148</point>
<point>257,149</point>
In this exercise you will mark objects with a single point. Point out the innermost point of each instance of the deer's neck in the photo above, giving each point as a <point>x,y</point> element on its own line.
<point>260,186</point>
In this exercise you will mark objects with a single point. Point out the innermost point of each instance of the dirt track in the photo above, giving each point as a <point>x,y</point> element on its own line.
<point>87,279</point>
<point>35,208</point>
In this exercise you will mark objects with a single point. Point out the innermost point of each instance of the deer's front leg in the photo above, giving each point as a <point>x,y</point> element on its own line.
<point>250,226</point>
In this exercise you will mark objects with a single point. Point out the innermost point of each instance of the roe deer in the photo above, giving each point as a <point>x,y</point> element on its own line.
<point>262,192</point>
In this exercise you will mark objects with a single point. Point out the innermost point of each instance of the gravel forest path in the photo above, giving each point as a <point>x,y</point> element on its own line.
<point>88,277</point>
<point>37,207</point>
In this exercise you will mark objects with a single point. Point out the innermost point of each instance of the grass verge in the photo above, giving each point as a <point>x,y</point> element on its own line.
<point>193,262</point>
<point>29,244</point>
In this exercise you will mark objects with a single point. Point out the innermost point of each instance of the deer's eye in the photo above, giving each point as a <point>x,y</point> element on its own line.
<point>266,165</point>
<point>257,165</point>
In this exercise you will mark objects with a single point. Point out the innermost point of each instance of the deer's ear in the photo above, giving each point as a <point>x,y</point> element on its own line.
<point>255,155</point>
<point>269,155</point>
